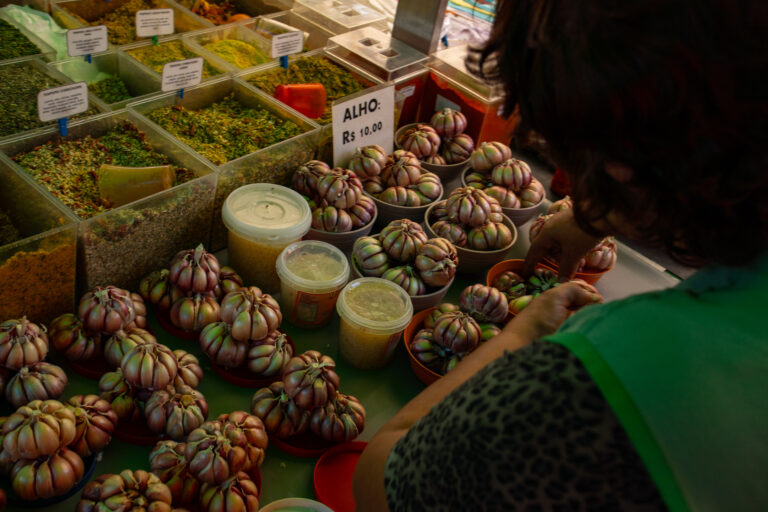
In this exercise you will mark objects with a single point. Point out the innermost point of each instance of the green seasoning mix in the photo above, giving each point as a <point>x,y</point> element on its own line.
<point>8,232</point>
<point>238,53</point>
<point>157,56</point>
<point>225,130</point>
<point>338,82</point>
<point>68,168</point>
<point>121,23</point>
<point>111,89</point>
<point>19,85</point>
<point>13,43</point>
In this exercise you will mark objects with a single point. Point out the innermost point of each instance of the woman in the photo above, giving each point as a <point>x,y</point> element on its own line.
<point>658,111</point>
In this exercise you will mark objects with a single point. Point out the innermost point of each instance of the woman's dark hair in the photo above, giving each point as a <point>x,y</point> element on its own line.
<point>675,90</point>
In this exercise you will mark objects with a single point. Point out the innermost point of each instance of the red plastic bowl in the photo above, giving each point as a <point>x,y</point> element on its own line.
<point>165,322</point>
<point>243,378</point>
<point>93,368</point>
<point>306,445</point>
<point>423,373</point>
<point>590,277</point>
<point>136,433</point>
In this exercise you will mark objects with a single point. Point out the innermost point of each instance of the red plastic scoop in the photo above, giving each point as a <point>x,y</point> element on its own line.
<point>309,99</point>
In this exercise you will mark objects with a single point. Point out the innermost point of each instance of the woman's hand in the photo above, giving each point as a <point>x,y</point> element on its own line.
<point>560,236</point>
<point>549,310</point>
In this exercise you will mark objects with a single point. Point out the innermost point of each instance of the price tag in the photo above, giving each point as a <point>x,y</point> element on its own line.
<point>63,101</point>
<point>180,74</point>
<point>154,22</point>
<point>287,44</point>
<point>367,118</point>
<point>85,41</point>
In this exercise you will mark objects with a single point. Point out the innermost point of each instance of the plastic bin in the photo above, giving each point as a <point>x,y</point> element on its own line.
<point>124,244</point>
<point>315,36</point>
<point>38,270</point>
<point>325,152</point>
<point>273,164</point>
<point>389,60</point>
<point>138,80</point>
<point>450,84</point>
<point>46,52</point>
<point>95,105</point>
<point>241,31</point>
<point>81,13</point>
<point>214,65</point>
<point>337,16</point>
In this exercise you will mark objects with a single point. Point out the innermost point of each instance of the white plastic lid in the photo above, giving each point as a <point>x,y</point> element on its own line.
<point>312,265</point>
<point>267,212</point>
<point>375,303</point>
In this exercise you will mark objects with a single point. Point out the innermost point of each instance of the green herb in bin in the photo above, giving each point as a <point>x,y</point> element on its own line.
<point>338,82</point>
<point>19,85</point>
<point>111,89</point>
<point>157,56</point>
<point>120,22</point>
<point>238,53</point>
<point>69,168</point>
<point>13,43</point>
<point>225,130</point>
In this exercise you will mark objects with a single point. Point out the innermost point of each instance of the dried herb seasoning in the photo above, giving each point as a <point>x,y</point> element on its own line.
<point>238,53</point>
<point>39,280</point>
<point>8,232</point>
<point>121,22</point>
<point>13,43</point>
<point>338,82</point>
<point>157,56</point>
<point>19,85</point>
<point>111,89</point>
<point>68,168</point>
<point>225,130</point>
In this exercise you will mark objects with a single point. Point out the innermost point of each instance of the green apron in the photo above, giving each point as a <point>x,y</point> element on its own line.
<point>686,372</point>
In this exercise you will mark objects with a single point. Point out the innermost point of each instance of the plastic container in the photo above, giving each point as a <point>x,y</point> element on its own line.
<point>450,175</point>
<point>295,505</point>
<point>423,373</point>
<point>337,16</point>
<point>389,212</point>
<point>262,220</point>
<point>315,36</point>
<point>46,51</point>
<point>343,241</point>
<point>212,65</point>
<point>242,377</point>
<point>389,60</point>
<point>122,245</point>
<point>271,164</point>
<point>470,260</point>
<point>38,269</point>
<point>137,78</point>
<point>373,314</point>
<point>306,445</point>
<point>450,84</point>
<point>518,216</point>
<point>332,478</point>
<point>240,32</point>
<point>312,274</point>
<point>14,502</point>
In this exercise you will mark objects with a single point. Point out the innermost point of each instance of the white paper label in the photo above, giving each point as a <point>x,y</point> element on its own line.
<point>443,102</point>
<point>287,44</point>
<point>180,74</point>
<point>85,41</point>
<point>154,22</point>
<point>367,118</point>
<point>405,93</point>
<point>63,101</point>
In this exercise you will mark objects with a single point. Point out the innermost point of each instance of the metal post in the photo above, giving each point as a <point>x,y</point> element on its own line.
<point>418,23</point>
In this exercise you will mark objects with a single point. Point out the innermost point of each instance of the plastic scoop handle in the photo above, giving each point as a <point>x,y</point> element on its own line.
<point>309,99</point>
<point>122,185</point>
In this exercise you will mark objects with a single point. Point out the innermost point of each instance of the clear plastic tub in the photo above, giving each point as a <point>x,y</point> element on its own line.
<point>27,100</point>
<point>138,80</point>
<point>272,164</point>
<point>337,16</point>
<point>312,273</point>
<point>450,84</point>
<point>46,51</point>
<point>212,67</point>
<point>38,269</point>
<point>263,219</point>
<point>242,33</point>
<point>122,245</point>
<point>81,13</point>
<point>374,312</point>
<point>315,36</point>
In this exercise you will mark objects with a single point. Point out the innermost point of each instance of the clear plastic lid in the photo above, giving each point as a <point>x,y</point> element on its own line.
<point>382,55</point>
<point>338,16</point>
<point>263,211</point>
<point>313,265</point>
<point>376,304</point>
<point>451,63</point>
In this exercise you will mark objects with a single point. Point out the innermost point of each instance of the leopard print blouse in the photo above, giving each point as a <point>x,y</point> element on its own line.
<point>530,432</point>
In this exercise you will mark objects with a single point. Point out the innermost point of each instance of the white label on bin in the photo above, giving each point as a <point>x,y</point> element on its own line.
<point>366,118</point>
<point>182,73</point>
<point>85,41</point>
<point>405,93</point>
<point>154,22</point>
<point>63,101</point>
<point>287,44</point>
<point>443,102</point>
